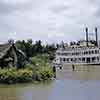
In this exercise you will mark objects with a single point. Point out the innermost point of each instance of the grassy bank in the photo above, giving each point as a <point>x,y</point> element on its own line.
<point>11,76</point>
<point>15,76</point>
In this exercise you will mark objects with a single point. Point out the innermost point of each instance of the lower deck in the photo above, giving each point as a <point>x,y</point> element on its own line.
<point>83,60</point>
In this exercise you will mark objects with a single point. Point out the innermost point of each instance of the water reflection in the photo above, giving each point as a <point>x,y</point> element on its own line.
<point>77,85</point>
<point>7,93</point>
<point>58,90</point>
<point>81,73</point>
<point>76,90</point>
<point>34,92</point>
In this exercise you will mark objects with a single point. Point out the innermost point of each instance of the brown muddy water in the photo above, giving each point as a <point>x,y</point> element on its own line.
<point>81,84</point>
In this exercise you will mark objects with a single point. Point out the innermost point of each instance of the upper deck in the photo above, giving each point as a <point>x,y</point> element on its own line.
<point>79,55</point>
<point>78,51</point>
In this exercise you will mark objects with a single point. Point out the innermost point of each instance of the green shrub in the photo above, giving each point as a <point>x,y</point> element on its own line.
<point>29,67</point>
<point>43,73</point>
<point>15,76</point>
<point>46,73</point>
<point>25,75</point>
<point>42,69</point>
<point>40,60</point>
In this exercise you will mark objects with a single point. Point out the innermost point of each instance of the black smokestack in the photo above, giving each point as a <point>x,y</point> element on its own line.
<point>96,35</point>
<point>86,29</point>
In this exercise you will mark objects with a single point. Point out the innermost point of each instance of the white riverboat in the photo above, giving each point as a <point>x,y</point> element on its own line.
<point>85,52</point>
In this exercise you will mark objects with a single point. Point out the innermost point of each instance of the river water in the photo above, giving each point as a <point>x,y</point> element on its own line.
<point>81,84</point>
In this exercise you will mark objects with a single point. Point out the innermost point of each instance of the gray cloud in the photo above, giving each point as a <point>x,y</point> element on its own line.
<point>6,8</point>
<point>60,8</point>
<point>47,19</point>
<point>96,7</point>
<point>9,6</point>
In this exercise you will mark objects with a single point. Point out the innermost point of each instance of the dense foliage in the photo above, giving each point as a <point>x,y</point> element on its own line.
<point>32,49</point>
<point>38,70</point>
<point>41,67</point>
<point>15,76</point>
<point>11,76</point>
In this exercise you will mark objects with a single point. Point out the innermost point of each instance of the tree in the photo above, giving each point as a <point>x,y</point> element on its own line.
<point>11,41</point>
<point>31,49</point>
<point>38,46</point>
<point>29,41</point>
<point>28,46</point>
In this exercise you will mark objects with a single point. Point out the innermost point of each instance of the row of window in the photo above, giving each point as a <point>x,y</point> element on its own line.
<point>93,59</point>
<point>79,53</point>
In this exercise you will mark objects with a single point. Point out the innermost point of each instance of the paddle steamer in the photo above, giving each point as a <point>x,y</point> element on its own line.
<point>84,52</point>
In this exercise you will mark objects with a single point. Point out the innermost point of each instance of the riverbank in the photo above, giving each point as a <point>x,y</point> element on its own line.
<point>35,75</point>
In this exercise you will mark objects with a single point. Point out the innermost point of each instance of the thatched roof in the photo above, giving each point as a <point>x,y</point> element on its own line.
<point>4,48</point>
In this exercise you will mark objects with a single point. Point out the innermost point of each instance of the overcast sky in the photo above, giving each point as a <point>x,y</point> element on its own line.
<point>48,20</point>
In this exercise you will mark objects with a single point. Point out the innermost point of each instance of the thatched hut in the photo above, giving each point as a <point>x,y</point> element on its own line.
<point>11,56</point>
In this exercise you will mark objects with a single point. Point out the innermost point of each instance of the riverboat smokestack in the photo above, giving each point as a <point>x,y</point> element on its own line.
<point>86,36</point>
<point>96,35</point>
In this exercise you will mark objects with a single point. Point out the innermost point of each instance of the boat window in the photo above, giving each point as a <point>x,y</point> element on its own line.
<point>97,58</point>
<point>93,58</point>
<point>89,52</point>
<point>83,59</point>
<point>77,53</point>
<point>96,51</point>
<point>92,52</point>
<point>64,59</point>
<point>67,59</point>
<point>71,59</point>
<point>79,59</point>
<point>86,52</point>
<point>72,53</point>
